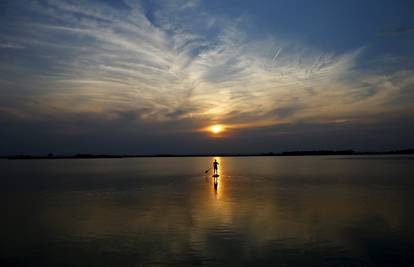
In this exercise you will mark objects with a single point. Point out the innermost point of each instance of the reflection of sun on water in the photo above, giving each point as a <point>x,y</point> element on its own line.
<point>215,181</point>
<point>216,189</point>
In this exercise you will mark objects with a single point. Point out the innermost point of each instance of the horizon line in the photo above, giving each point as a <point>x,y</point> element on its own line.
<point>285,153</point>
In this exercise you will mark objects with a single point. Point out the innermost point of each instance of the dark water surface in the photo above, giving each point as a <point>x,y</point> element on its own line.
<point>275,211</point>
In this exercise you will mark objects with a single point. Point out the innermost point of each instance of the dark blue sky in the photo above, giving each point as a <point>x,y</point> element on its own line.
<point>152,76</point>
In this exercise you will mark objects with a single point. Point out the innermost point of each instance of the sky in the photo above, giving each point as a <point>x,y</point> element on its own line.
<point>152,76</point>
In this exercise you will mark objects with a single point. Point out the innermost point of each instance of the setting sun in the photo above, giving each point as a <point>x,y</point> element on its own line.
<point>216,129</point>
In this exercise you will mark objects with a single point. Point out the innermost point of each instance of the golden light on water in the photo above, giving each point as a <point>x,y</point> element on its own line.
<point>216,129</point>
<point>216,182</point>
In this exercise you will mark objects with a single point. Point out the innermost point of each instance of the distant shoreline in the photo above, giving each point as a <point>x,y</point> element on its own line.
<point>270,154</point>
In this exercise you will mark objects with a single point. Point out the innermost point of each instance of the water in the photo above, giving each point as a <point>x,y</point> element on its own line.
<point>284,211</point>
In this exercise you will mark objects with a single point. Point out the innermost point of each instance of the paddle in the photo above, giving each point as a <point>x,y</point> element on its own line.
<point>208,170</point>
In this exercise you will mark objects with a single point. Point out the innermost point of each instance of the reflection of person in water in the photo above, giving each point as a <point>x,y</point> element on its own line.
<point>215,183</point>
<point>215,165</point>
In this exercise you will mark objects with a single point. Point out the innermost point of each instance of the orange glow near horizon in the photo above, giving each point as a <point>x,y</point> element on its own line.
<point>216,129</point>
<point>224,130</point>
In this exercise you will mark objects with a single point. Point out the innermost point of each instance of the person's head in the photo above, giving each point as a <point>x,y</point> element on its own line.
<point>215,160</point>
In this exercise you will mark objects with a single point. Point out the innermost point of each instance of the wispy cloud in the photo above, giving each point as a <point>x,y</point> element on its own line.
<point>178,63</point>
<point>400,30</point>
<point>10,46</point>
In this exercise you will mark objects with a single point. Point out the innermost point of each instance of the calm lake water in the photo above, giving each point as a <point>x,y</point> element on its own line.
<point>275,211</point>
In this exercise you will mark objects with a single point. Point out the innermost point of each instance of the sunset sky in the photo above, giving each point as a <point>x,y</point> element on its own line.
<point>153,76</point>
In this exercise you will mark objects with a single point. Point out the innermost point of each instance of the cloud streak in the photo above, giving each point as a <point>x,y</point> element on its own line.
<point>400,30</point>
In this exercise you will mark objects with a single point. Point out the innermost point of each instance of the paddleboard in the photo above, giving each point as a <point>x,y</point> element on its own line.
<point>216,175</point>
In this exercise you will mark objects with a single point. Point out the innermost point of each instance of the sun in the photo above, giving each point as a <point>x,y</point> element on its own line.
<point>216,129</point>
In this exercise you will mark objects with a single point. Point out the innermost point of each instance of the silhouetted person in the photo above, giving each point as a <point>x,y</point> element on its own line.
<point>215,166</point>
